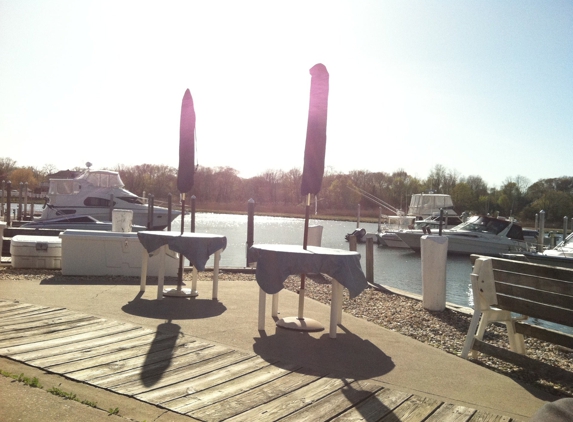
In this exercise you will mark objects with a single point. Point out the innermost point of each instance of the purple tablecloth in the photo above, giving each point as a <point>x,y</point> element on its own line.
<point>276,262</point>
<point>196,247</point>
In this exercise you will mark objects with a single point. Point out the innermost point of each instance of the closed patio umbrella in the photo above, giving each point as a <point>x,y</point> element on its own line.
<point>185,171</point>
<point>313,170</point>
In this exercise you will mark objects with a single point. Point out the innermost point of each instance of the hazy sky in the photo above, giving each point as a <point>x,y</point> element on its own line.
<point>480,87</point>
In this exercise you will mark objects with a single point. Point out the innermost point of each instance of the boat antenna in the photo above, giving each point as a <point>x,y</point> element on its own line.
<point>88,165</point>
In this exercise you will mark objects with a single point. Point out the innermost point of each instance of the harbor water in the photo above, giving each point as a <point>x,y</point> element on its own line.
<point>398,268</point>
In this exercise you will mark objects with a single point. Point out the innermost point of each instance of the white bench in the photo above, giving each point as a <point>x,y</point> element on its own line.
<point>503,288</point>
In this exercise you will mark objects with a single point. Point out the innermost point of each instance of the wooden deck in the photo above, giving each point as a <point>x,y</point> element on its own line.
<point>206,382</point>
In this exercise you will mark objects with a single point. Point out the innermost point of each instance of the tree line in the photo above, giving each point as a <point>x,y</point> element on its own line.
<point>280,190</point>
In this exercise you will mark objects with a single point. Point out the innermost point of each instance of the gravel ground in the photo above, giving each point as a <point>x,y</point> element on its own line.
<point>444,330</point>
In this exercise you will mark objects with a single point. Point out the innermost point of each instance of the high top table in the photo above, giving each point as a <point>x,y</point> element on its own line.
<point>196,247</point>
<point>276,262</point>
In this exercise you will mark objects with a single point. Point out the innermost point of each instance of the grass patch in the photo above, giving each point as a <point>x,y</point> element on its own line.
<point>30,382</point>
<point>34,382</point>
<point>60,393</point>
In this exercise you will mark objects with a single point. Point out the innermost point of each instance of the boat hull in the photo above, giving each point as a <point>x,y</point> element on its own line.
<point>467,244</point>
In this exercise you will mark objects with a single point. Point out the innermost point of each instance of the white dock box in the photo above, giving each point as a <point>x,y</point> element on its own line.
<point>91,252</point>
<point>36,251</point>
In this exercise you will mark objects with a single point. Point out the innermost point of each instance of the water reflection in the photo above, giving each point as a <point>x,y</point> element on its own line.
<point>396,268</point>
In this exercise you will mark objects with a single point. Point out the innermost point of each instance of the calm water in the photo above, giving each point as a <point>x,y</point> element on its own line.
<point>392,267</point>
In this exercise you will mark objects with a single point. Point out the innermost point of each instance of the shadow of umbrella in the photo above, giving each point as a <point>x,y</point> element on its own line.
<point>158,358</point>
<point>313,171</point>
<point>348,357</point>
<point>353,360</point>
<point>174,309</point>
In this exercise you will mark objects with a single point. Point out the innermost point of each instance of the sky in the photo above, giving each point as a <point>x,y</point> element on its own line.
<point>479,87</point>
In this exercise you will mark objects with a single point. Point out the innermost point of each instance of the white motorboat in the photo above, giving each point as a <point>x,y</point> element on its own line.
<point>93,192</point>
<point>389,235</point>
<point>424,210</point>
<point>478,235</point>
<point>559,256</point>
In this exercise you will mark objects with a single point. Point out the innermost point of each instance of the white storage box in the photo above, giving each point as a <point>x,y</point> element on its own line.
<point>91,252</point>
<point>36,252</point>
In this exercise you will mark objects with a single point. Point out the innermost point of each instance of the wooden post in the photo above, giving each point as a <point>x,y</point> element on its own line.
<point>370,260</point>
<point>26,200</point>
<point>8,215</point>
<point>2,195</point>
<point>250,226</point>
<point>169,207</point>
<point>352,243</point>
<point>19,215</point>
<point>541,235</point>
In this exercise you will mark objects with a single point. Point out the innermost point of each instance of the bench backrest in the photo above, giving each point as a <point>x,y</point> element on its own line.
<point>538,291</point>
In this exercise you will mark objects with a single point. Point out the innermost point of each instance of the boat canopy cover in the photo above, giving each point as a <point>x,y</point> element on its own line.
<point>428,204</point>
<point>99,179</point>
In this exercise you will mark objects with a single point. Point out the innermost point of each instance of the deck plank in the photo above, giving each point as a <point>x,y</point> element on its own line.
<point>137,368</point>
<point>82,331</point>
<point>337,403</point>
<point>183,390</point>
<point>83,349</point>
<point>219,392</point>
<point>452,413</point>
<point>106,365</point>
<point>257,396</point>
<point>295,400</point>
<point>481,416</point>
<point>39,321</point>
<point>374,407</point>
<point>415,409</point>
<point>196,365</point>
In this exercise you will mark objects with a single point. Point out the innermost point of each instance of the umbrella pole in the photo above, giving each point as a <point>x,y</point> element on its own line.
<point>302,291</point>
<point>180,292</point>
<point>180,272</point>
<point>300,323</point>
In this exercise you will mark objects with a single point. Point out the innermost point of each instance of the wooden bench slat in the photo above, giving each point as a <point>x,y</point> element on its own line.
<point>547,271</point>
<point>522,360</point>
<point>545,334</point>
<point>535,310</point>
<point>548,298</point>
<point>535,282</point>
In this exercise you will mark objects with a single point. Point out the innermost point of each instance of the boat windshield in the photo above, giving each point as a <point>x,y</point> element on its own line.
<point>483,225</point>
<point>63,187</point>
<point>103,179</point>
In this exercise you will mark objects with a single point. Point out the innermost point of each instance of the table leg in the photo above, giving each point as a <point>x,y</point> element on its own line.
<point>144,261</point>
<point>339,304</point>
<point>275,311</point>
<point>216,274</point>
<point>262,309</point>
<point>335,307</point>
<point>194,282</point>
<point>161,272</point>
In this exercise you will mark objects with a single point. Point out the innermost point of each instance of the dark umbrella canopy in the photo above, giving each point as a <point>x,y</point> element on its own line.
<point>315,147</point>
<point>186,170</point>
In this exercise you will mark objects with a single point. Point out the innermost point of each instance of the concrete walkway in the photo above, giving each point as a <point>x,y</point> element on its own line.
<point>361,350</point>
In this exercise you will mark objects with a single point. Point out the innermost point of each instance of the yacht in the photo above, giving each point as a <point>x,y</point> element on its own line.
<point>96,193</point>
<point>481,235</point>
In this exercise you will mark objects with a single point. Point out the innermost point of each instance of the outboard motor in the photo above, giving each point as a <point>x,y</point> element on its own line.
<point>359,233</point>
